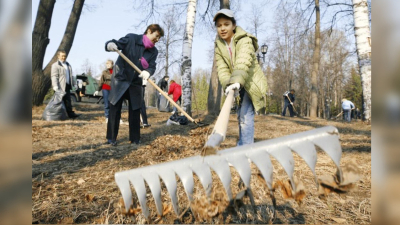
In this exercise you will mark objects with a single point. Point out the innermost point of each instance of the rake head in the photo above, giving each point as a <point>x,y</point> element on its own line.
<point>327,138</point>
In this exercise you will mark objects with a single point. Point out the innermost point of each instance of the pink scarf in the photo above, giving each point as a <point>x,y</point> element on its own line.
<point>147,43</point>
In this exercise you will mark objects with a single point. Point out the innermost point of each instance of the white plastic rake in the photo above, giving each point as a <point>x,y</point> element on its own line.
<point>327,138</point>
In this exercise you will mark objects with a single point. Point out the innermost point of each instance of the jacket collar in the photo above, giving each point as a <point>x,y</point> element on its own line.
<point>60,64</point>
<point>139,39</point>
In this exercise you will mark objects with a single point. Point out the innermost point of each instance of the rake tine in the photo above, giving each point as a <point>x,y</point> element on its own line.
<point>259,153</point>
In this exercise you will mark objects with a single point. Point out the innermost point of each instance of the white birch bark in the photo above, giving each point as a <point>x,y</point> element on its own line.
<point>186,62</point>
<point>363,41</point>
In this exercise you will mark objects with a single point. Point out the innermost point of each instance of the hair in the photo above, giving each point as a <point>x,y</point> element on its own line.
<point>111,61</point>
<point>166,77</point>
<point>172,81</point>
<point>226,17</point>
<point>61,51</point>
<point>153,28</point>
<point>292,90</point>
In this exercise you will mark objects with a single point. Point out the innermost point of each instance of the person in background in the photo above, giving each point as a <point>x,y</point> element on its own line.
<point>347,106</point>
<point>105,87</point>
<point>163,84</point>
<point>61,80</point>
<point>239,70</point>
<point>176,91</point>
<point>289,104</point>
<point>143,112</point>
<point>126,83</point>
<point>357,113</point>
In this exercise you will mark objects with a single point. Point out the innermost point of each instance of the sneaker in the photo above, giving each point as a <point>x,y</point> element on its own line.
<point>146,125</point>
<point>106,120</point>
<point>122,122</point>
<point>173,112</point>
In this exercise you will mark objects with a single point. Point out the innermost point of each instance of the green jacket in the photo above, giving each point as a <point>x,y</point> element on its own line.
<point>245,69</point>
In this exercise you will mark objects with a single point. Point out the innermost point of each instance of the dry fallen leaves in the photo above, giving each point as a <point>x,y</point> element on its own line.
<point>89,197</point>
<point>80,181</point>
<point>166,209</point>
<point>67,220</point>
<point>338,220</point>
<point>208,151</point>
<point>132,211</point>
<point>203,210</point>
<point>288,192</point>
<point>331,184</point>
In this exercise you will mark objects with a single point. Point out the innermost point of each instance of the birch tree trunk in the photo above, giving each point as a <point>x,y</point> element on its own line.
<point>186,66</point>
<point>316,59</point>
<point>363,41</point>
<point>41,79</point>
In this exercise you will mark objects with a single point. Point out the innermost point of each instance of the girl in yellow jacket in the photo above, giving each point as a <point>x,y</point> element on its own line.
<point>238,69</point>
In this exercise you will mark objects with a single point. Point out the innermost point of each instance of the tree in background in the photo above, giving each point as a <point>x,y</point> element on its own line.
<point>362,33</point>
<point>201,85</point>
<point>353,88</point>
<point>186,61</point>
<point>89,69</point>
<point>316,61</point>
<point>41,81</point>
<point>167,46</point>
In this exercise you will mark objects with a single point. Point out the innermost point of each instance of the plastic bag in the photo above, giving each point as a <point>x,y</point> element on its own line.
<point>163,105</point>
<point>55,109</point>
<point>177,120</point>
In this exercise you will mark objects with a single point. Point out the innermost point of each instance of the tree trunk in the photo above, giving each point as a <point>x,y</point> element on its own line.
<point>214,92</point>
<point>40,40</point>
<point>215,89</point>
<point>186,66</point>
<point>316,59</point>
<point>42,83</point>
<point>166,55</point>
<point>363,41</point>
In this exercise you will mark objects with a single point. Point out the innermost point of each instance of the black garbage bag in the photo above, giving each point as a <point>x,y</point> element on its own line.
<point>177,120</point>
<point>55,109</point>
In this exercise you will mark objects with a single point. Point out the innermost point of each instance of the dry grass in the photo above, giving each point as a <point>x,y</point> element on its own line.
<point>73,173</point>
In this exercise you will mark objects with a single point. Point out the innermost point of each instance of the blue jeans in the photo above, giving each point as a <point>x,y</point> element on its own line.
<point>174,109</point>
<point>245,114</point>
<point>347,115</point>
<point>106,93</point>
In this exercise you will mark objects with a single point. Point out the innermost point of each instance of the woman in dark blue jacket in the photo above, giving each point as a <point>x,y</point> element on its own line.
<point>126,83</point>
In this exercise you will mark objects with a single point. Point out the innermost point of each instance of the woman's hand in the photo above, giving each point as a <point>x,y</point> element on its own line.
<point>235,86</point>
<point>144,75</point>
<point>112,46</point>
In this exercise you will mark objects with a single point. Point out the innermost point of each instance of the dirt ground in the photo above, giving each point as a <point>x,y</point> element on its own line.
<point>73,171</point>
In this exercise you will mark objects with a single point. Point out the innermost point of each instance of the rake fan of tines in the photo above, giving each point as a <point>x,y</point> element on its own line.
<point>327,138</point>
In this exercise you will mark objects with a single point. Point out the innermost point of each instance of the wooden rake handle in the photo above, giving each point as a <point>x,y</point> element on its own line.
<point>157,88</point>
<point>291,103</point>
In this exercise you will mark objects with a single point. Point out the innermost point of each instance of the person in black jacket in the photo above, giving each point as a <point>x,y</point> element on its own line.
<point>163,84</point>
<point>288,103</point>
<point>126,83</point>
